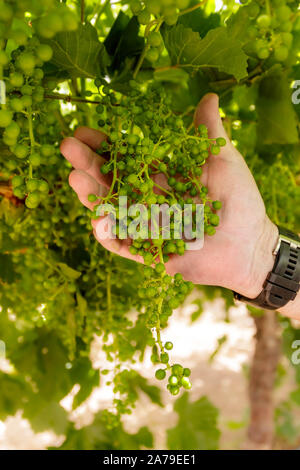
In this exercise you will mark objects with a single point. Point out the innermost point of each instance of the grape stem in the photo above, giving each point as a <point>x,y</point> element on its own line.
<point>32,141</point>
<point>195,7</point>
<point>82,11</point>
<point>70,98</point>
<point>145,50</point>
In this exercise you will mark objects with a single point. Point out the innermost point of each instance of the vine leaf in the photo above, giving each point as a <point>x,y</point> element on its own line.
<point>277,121</point>
<point>217,50</point>
<point>123,40</point>
<point>97,436</point>
<point>79,53</point>
<point>69,272</point>
<point>196,427</point>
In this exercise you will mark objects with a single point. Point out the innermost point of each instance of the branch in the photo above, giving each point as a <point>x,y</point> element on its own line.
<point>262,378</point>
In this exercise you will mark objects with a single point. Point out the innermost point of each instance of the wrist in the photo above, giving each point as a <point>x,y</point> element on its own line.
<point>261,260</point>
<point>262,263</point>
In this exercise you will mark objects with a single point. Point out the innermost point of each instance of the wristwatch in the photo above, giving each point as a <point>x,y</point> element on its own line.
<point>283,282</point>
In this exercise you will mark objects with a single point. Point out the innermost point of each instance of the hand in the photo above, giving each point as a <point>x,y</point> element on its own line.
<point>239,256</point>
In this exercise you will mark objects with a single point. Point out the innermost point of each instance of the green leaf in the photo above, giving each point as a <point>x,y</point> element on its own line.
<point>217,50</point>
<point>123,40</point>
<point>170,74</point>
<point>82,373</point>
<point>98,437</point>
<point>45,415</point>
<point>237,25</point>
<point>198,21</point>
<point>277,122</point>
<point>78,53</point>
<point>69,272</point>
<point>197,425</point>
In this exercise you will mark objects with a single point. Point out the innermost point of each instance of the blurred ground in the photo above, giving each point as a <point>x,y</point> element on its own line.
<point>224,381</point>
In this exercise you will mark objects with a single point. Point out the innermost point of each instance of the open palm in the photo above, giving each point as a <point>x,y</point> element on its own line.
<point>235,256</point>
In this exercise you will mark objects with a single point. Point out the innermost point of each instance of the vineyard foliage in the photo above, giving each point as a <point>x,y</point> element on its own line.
<point>135,68</point>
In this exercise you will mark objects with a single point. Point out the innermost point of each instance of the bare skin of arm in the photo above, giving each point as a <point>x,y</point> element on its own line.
<point>239,256</point>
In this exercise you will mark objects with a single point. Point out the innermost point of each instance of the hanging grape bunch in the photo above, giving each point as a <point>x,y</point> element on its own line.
<point>25,103</point>
<point>146,139</point>
<point>270,34</point>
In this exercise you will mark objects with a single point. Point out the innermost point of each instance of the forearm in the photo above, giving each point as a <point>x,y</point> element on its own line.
<point>262,264</point>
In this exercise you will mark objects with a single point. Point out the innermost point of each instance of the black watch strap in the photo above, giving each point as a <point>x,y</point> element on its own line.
<point>283,282</point>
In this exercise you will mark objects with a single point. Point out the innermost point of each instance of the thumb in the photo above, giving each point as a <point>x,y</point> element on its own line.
<point>207,113</point>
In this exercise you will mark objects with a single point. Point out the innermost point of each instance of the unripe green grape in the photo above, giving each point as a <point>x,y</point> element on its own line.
<point>19,192</point>
<point>253,10</point>
<point>16,104</point>
<point>186,372</point>
<point>263,53</point>
<point>177,370</point>
<point>153,6</point>
<point>152,54</point>
<point>160,374</point>
<point>32,185</point>
<point>164,358</point>
<point>182,4</point>
<point>135,6</point>
<point>154,39</point>
<point>44,52</point>
<point>70,21</point>
<point>169,345</point>
<point>43,186</point>
<point>47,150</point>
<point>210,230</point>
<point>220,141</point>
<point>173,380</point>
<point>160,268</point>
<point>283,13</point>
<point>26,61</point>
<point>174,390</point>
<point>217,205</point>
<point>281,53</point>
<point>26,90</point>
<point>186,383</point>
<point>55,22</point>
<point>286,26</point>
<point>21,150</point>
<point>26,101</point>
<point>16,79</point>
<point>287,39</point>
<point>92,197</point>
<point>17,181</point>
<point>144,17</point>
<point>214,219</point>
<point>33,199</point>
<point>12,130</point>
<point>5,117</point>
<point>38,97</point>
<point>263,21</point>
<point>171,20</point>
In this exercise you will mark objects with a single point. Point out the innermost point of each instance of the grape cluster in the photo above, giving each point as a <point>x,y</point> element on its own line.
<point>271,31</point>
<point>146,141</point>
<point>151,14</point>
<point>25,116</point>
